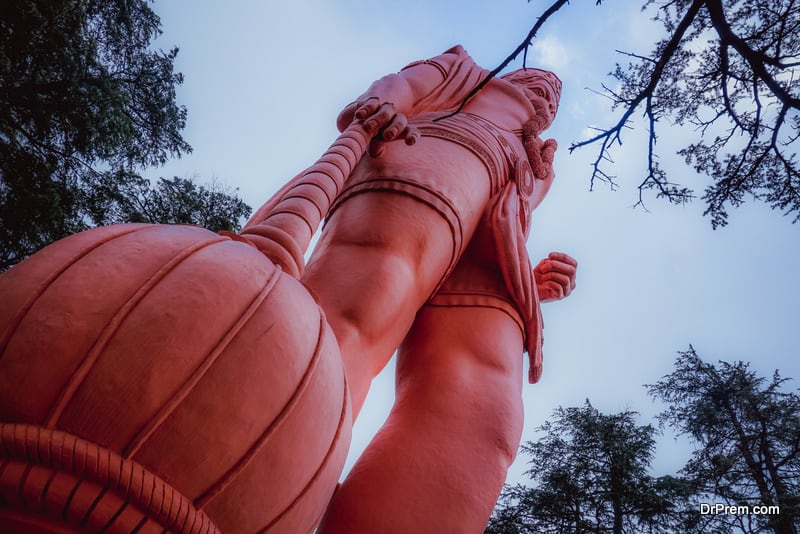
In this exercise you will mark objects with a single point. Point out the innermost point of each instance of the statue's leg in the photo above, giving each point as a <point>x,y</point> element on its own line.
<point>378,260</point>
<point>440,460</point>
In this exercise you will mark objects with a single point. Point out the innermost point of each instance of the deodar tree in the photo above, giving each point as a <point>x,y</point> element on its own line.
<point>746,430</point>
<point>85,104</point>
<point>589,473</point>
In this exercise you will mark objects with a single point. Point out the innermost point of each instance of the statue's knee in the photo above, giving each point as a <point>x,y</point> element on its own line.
<point>501,413</point>
<point>508,433</point>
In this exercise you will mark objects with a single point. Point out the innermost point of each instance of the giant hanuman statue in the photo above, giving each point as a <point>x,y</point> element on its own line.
<point>166,378</point>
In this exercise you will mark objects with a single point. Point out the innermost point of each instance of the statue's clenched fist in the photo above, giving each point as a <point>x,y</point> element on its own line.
<point>555,276</point>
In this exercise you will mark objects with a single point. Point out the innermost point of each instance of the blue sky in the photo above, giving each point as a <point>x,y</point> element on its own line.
<point>264,83</point>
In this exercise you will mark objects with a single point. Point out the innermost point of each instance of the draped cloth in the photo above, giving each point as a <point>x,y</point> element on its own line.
<point>510,237</point>
<point>509,213</point>
<point>460,76</point>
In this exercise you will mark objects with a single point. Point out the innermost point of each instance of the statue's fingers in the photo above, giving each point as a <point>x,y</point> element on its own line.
<point>411,135</point>
<point>565,264</point>
<point>560,268</point>
<point>367,108</point>
<point>555,290</point>
<point>562,279</point>
<point>396,127</point>
<point>347,116</point>
<point>376,146</point>
<point>383,116</point>
<point>562,257</point>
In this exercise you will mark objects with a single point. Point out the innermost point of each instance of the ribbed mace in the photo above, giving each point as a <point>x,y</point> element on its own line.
<point>166,378</point>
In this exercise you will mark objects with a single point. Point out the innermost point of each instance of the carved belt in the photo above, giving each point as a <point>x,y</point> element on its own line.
<point>477,135</point>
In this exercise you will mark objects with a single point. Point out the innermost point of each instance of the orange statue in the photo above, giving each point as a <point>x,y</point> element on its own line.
<point>424,248</point>
<point>157,378</point>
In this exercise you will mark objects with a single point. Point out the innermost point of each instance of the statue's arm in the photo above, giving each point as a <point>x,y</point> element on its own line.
<point>400,91</point>
<point>386,104</point>
<point>555,276</point>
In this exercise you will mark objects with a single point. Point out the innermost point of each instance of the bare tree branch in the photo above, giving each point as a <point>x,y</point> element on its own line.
<point>655,77</point>
<point>612,135</point>
<point>756,60</point>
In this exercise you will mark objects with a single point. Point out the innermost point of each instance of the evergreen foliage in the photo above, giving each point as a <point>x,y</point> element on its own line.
<point>747,434</point>
<point>85,104</point>
<point>590,472</point>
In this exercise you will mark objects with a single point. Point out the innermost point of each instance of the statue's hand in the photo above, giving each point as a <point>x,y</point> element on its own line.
<point>555,276</point>
<point>380,120</point>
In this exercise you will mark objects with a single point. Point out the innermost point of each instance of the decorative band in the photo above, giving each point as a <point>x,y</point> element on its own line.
<point>64,457</point>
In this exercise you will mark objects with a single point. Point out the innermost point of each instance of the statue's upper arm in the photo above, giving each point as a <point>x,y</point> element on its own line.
<point>424,76</point>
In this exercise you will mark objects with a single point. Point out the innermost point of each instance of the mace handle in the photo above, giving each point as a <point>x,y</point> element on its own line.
<point>283,227</point>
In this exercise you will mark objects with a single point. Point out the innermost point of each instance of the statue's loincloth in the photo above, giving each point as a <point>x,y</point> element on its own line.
<point>492,145</point>
<point>476,290</point>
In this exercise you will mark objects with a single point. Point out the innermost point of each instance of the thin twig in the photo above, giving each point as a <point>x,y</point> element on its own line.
<point>613,134</point>
<point>655,77</point>
<point>753,58</point>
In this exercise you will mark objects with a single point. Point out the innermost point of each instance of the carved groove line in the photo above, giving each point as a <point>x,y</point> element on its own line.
<point>89,462</point>
<point>183,391</point>
<point>328,456</point>
<point>37,293</point>
<point>114,324</point>
<point>219,486</point>
<point>327,171</point>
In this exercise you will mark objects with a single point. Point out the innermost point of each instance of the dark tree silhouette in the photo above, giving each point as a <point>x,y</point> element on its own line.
<point>85,103</point>
<point>590,474</point>
<point>169,201</point>
<point>747,432</point>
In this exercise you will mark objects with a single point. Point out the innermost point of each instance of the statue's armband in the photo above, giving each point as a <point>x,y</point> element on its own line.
<point>432,62</point>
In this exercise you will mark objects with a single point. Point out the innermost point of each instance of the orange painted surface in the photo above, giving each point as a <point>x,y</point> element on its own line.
<point>191,381</point>
<point>168,376</point>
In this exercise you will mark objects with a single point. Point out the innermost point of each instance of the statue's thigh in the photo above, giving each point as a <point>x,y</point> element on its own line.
<point>417,202</point>
<point>391,236</point>
<point>377,261</point>
<point>462,368</point>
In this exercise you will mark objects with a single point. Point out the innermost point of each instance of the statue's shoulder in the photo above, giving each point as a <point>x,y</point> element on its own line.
<point>445,61</point>
<point>457,49</point>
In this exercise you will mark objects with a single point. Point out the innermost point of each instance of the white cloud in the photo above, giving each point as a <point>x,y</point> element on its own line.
<point>551,53</point>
